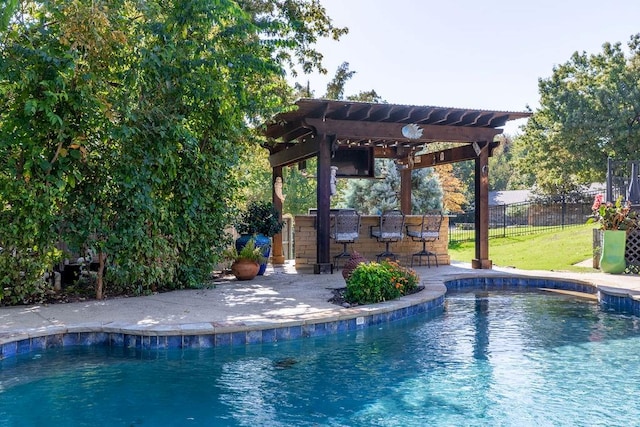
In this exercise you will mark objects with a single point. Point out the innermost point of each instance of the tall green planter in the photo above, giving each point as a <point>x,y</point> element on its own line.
<point>613,248</point>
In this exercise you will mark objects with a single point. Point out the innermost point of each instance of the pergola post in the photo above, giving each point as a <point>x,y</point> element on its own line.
<point>482,207</point>
<point>277,254</point>
<point>405,191</point>
<point>323,258</point>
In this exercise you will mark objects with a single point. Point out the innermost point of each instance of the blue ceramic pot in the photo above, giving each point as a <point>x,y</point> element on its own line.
<point>263,242</point>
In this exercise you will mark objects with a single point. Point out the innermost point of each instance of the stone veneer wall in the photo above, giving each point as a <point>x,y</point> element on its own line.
<point>305,242</point>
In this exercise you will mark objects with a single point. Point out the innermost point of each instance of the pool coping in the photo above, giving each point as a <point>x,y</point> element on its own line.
<point>212,334</point>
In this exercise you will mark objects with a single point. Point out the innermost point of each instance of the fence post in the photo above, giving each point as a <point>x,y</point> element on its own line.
<point>504,220</point>
<point>633,193</point>
<point>564,211</point>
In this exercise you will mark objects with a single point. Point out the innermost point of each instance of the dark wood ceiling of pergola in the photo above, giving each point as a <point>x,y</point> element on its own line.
<point>294,125</point>
<point>293,135</point>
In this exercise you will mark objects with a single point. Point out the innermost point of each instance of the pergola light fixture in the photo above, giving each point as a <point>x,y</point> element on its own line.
<point>411,131</point>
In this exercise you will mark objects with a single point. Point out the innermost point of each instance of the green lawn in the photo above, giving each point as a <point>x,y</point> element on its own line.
<point>555,250</point>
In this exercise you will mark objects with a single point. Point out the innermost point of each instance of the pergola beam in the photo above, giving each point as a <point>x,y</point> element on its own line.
<point>450,155</point>
<point>295,153</point>
<point>359,130</point>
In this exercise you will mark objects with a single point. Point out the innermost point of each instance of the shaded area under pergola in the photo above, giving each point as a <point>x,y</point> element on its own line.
<point>356,133</point>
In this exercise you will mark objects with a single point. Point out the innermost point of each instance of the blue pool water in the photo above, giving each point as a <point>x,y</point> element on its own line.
<point>509,359</point>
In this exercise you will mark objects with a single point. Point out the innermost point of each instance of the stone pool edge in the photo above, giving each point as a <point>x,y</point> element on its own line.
<point>610,298</point>
<point>212,334</point>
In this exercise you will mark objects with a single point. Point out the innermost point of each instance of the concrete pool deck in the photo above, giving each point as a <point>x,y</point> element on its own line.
<point>280,298</point>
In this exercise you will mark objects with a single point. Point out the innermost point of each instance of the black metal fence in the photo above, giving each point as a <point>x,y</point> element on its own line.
<point>525,218</point>
<point>623,180</point>
<point>620,176</point>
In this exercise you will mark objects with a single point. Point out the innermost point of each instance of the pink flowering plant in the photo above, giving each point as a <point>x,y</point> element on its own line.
<point>613,216</point>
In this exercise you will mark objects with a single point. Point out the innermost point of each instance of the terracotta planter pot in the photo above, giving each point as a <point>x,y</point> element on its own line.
<point>244,269</point>
<point>262,242</point>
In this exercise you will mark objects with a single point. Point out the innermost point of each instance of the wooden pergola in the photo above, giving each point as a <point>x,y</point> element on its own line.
<point>323,128</point>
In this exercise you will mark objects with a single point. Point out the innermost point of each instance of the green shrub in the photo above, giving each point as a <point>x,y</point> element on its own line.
<point>249,252</point>
<point>260,218</point>
<point>376,282</point>
<point>22,281</point>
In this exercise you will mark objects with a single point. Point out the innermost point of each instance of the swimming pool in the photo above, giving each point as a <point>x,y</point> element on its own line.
<point>491,358</point>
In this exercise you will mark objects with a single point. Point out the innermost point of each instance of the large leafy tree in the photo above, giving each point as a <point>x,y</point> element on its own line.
<point>374,196</point>
<point>122,123</point>
<point>453,198</point>
<point>7,9</point>
<point>54,95</point>
<point>590,110</point>
<point>336,87</point>
<point>290,28</point>
<point>503,175</point>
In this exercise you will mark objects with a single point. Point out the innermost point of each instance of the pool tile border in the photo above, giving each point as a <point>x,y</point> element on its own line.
<point>619,300</point>
<point>206,335</point>
<point>610,299</point>
<point>495,282</point>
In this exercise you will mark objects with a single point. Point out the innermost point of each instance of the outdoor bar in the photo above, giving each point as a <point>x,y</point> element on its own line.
<point>347,136</point>
<point>367,246</point>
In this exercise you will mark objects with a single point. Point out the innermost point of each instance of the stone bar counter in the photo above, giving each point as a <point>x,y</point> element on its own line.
<point>367,246</point>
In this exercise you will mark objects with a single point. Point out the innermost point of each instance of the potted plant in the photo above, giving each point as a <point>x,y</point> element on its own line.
<point>260,221</point>
<point>615,219</point>
<point>246,261</point>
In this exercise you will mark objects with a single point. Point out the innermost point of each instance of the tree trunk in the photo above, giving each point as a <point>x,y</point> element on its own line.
<point>102,259</point>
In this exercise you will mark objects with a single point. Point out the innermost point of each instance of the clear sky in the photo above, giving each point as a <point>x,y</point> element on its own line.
<point>463,53</point>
